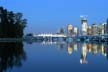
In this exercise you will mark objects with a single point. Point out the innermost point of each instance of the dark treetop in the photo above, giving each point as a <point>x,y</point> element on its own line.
<point>11,24</point>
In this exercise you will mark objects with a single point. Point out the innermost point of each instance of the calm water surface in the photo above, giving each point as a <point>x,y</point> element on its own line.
<point>53,57</point>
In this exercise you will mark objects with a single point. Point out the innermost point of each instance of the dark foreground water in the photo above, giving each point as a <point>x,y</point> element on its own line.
<point>53,57</point>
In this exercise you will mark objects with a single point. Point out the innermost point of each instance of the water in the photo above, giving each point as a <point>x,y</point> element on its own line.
<point>53,57</point>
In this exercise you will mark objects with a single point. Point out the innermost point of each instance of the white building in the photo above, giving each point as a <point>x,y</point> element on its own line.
<point>84,25</point>
<point>75,31</point>
<point>69,29</point>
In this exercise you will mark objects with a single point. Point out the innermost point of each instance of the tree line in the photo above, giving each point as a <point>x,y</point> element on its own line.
<point>11,24</point>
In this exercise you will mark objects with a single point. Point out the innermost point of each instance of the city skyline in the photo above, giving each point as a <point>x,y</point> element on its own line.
<point>48,16</point>
<point>91,30</point>
<point>53,35</point>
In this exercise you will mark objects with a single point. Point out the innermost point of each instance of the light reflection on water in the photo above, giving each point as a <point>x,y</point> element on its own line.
<point>85,48</point>
<point>48,56</point>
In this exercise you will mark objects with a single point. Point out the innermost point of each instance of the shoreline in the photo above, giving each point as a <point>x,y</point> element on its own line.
<point>11,39</point>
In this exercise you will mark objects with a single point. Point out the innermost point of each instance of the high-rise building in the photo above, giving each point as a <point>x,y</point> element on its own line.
<point>106,27</point>
<point>69,30</point>
<point>84,25</point>
<point>62,31</point>
<point>75,31</point>
<point>95,30</point>
<point>102,28</point>
<point>89,30</point>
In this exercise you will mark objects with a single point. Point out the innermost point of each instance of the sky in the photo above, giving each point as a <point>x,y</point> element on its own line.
<point>48,16</point>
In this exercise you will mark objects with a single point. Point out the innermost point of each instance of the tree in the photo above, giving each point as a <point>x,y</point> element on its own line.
<point>20,24</point>
<point>11,24</point>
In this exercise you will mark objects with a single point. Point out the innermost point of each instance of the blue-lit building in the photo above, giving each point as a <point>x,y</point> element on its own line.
<point>106,27</point>
<point>95,30</point>
<point>102,28</point>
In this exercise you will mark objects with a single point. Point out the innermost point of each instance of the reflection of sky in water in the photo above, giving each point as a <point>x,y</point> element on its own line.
<point>60,56</point>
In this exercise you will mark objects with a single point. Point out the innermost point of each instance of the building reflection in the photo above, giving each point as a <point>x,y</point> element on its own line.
<point>89,47</point>
<point>107,51</point>
<point>85,48</point>
<point>83,59</point>
<point>70,49</point>
<point>75,47</point>
<point>60,46</point>
<point>94,49</point>
<point>103,50</point>
<point>11,55</point>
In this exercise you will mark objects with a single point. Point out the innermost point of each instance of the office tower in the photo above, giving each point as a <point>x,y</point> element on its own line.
<point>75,31</point>
<point>84,25</point>
<point>89,30</point>
<point>69,30</point>
<point>62,31</point>
<point>102,28</point>
<point>95,30</point>
<point>106,27</point>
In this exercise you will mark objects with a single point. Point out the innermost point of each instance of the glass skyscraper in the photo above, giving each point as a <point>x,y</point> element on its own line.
<point>106,27</point>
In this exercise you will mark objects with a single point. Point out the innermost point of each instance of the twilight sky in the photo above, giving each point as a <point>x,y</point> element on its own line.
<point>45,16</point>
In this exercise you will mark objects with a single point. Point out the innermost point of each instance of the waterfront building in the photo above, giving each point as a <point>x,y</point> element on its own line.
<point>102,28</point>
<point>75,31</point>
<point>89,30</point>
<point>69,30</point>
<point>106,27</point>
<point>84,25</point>
<point>95,30</point>
<point>62,31</point>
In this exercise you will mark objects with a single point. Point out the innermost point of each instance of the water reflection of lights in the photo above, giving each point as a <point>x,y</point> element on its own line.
<point>85,49</point>
<point>89,47</point>
<point>103,50</point>
<point>51,43</point>
<point>75,47</point>
<point>95,48</point>
<point>83,59</point>
<point>70,49</point>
